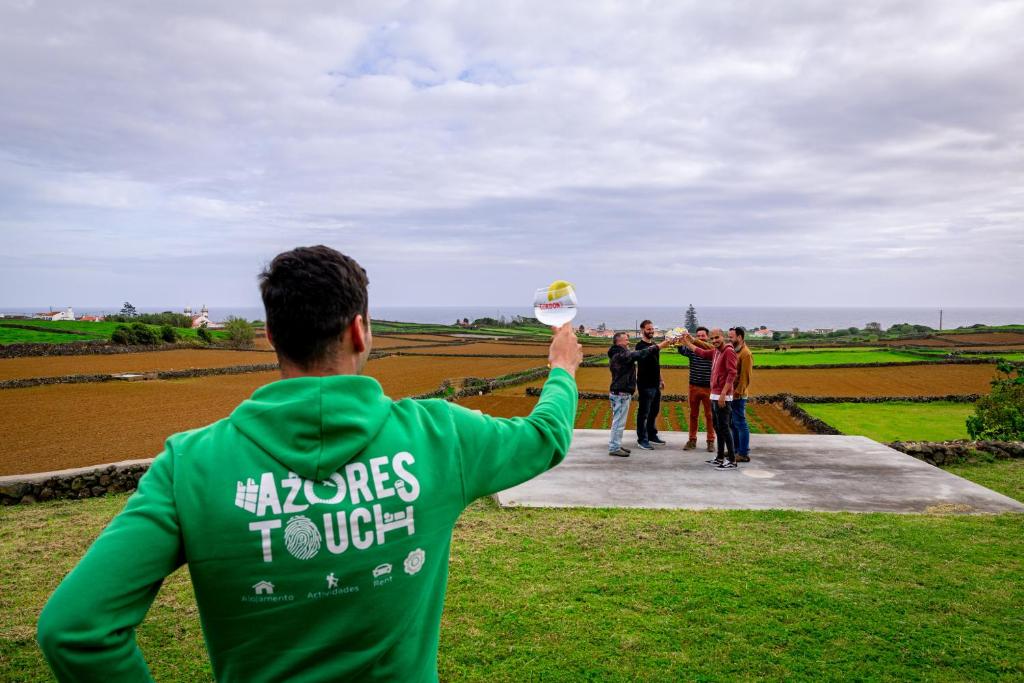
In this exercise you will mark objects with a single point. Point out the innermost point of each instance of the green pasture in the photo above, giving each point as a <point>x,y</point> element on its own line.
<point>83,331</point>
<point>896,420</point>
<point>627,595</point>
<point>12,335</point>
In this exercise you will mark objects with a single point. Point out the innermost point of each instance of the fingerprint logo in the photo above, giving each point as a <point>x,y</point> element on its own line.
<point>301,538</point>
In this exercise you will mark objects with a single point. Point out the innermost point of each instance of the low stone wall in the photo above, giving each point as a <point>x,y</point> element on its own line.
<point>163,374</point>
<point>83,482</point>
<point>846,366</point>
<point>90,348</point>
<point>949,398</point>
<point>788,404</point>
<point>952,452</point>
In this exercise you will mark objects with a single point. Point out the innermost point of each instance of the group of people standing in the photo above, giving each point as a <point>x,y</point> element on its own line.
<point>720,370</point>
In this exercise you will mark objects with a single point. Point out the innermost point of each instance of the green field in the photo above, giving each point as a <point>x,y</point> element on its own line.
<point>896,420</point>
<point>84,331</point>
<point>625,595</point>
<point>12,335</point>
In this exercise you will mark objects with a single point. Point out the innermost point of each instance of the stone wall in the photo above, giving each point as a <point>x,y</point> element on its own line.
<point>84,482</point>
<point>163,374</point>
<point>952,452</point>
<point>90,348</point>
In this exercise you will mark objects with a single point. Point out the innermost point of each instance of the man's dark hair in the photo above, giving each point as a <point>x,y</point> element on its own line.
<point>617,337</point>
<point>311,294</point>
<point>740,332</point>
<point>702,328</point>
<point>645,324</point>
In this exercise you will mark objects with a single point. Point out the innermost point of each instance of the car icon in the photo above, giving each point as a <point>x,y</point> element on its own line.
<point>381,570</point>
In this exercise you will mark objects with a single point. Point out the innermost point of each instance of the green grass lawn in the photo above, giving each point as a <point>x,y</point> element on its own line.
<point>896,420</point>
<point>625,595</point>
<point>1004,476</point>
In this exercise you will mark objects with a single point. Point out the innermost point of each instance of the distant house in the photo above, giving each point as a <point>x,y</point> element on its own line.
<point>596,332</point>
<point>67,314</point>
<point>92,318</point>
<point>762,333</point>
<point>201,320</point>
<point>823,331</point>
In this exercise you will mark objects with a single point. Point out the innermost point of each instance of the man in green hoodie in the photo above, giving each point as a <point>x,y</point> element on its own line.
<point>316,519</point>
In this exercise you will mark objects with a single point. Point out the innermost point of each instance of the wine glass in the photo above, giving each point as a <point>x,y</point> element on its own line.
<point>555,305</point>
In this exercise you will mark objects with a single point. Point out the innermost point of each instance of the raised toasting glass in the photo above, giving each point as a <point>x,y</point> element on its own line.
<point>555,304</point>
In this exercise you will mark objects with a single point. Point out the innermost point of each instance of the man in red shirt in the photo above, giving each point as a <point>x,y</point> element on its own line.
<point>723,377</point>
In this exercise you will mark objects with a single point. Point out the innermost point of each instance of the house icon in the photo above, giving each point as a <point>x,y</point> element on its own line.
<point>264,588</point>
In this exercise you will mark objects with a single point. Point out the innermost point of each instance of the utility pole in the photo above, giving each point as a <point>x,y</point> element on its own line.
<point>940,320</point>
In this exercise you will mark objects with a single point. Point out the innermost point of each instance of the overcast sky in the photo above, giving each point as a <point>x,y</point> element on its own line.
<point>721,153</point>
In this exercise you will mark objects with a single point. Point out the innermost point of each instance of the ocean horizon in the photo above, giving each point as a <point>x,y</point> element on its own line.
<point>628,317</point>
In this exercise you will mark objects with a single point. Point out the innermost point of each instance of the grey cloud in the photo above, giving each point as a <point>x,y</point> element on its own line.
<point>831,153</point>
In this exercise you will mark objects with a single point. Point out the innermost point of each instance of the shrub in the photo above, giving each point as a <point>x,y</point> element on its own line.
<point>239,331</point>
<point>123,335</point>
<point>204,335</point>
<point>1000,415</point>
<point>143,334</point>
<point>168,334</point>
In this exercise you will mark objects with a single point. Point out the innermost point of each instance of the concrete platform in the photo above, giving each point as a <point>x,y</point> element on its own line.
<point>787,471</point>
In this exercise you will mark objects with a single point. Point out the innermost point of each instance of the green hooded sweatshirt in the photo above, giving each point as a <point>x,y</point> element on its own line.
<point>316,522</point>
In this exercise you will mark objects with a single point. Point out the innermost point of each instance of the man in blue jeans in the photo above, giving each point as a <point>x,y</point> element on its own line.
<point>745,364</point>
<point>622,364</point>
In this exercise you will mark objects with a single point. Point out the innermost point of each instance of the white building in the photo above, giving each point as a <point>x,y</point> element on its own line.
<point>199,320</point>
<point>762,333</point>
<point>66,314</point>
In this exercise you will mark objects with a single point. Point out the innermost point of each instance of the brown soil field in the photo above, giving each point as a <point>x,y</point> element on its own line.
<point>987,338</point>
<point>57,427</point>
<point>486,349</point>
<point>595,414</point>
<point>420,338</point>
<point>1010,348</point>
<point>916,342</point>
<point>182,359</point>
<point>62,426</point>
<point>380,342</point>
<point>915,380</point>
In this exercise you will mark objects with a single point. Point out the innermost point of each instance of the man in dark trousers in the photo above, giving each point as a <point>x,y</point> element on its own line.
<point>622,364</point>
<point>649,386</point>
<point>723,379</point>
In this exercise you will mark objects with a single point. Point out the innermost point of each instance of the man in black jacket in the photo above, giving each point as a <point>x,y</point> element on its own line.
<point>622,363</point>
<point>648,385</point>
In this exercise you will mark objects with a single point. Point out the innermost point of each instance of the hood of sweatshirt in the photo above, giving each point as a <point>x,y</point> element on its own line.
<point>314,425</point>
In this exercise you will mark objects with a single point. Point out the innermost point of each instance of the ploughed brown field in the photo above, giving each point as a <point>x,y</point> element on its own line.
<point>485,349</point>
<point>917,342</point>
<point>914,380</point>
<point>61,426</point>
<point>381,342</point>
<point>596,414</point>
<point>182,359</point>
<point>987,338</point>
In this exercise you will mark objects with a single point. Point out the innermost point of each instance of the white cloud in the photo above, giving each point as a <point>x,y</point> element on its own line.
<point>787,143</point>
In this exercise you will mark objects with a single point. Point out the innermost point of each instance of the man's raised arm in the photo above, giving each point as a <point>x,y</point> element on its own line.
<point>498,453</point>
